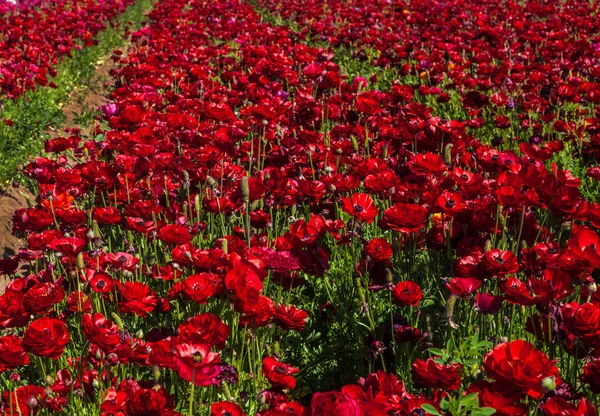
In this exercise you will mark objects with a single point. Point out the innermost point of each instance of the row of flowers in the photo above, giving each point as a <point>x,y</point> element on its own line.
<point>247,219</point>
<point>34,37</point>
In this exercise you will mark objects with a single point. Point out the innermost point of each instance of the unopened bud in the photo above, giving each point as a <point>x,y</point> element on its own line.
<point>118,321</point>
<point>245,189</point>
<point>487,246</point>
<point>549,383</point>
<point>448,153</point>
<point>80,261</point>
<point>224,245</point>
<point>449,311</point>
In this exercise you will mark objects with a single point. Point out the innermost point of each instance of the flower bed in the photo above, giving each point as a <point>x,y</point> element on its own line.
<point>251,232</point>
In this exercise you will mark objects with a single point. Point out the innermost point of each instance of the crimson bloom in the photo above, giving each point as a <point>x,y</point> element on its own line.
<point>100,331</point>
<point>46,337</point>
<point>520,365</point>
<point>280,375</point>
<point>12,354</point>
<point>407,293</point>
<point>429,374</point>
<point>195,363</point>
<point>361,207</point>
<point>405,218</point>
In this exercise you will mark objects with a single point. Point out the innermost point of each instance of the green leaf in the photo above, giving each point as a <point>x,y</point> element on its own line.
<point>437,351</point>
<point>483,411</point>
<point>430,409</point>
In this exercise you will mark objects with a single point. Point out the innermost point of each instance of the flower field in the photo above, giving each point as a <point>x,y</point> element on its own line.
<point>340,207</point>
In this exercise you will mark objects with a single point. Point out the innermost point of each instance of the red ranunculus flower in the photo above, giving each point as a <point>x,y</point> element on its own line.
<point>290,318</point>
<point>405,218</point>
<point>195,363</point>
<point>42,297</point>
<point>519,364</point>
<point>136,298</point>
<point>280,375</point>
<point>100,331</point>
<point>200,287</point>
<point>334,403</point>
<point>12,353</point>
<point>361,207</point>
<point>591,375</point>
<point>46,337</point>
<point>429,374</point>
<point>175,234</point>
<point>225,409</point>
<point>205,328</point>
<point>407,293</point>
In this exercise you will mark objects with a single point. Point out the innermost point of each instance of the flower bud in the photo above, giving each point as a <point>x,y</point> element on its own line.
<point>118,321</point>
<point>549,383</point>
<point>245,189</point>
<point>448,153</point>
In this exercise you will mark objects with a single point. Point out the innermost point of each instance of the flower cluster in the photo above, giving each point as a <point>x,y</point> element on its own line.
<point>34,36</point>
<point>250,230</point>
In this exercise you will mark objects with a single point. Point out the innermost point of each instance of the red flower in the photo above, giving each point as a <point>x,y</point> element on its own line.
<point>70,246</point>
<point>500,263</point>
<point>225,409</point>
<point>451,203</point>
<point>557,406</point>
<point>487,303</point>
<point>101,283</point>
<point>26,400</point>
<point>290,318</point>
<point>405,218</point>
<point>200,287</point>
<point>378,249</point>
<point>205,328</point>
<point>519,364</point>
<point>136,298</point>
<point>334,403</point>
<point>175,234</point>
<point>42,297</point>
<point>463,286</point>
<point>280,375</point>
<point>591,375</point>
<point>77,301</point>
<point>429,374</point>
<point>46,337</point>
<point>407,293</point>
<point>195,363</point>
<point>100,331</point>
<point>220,112</point>
<point>12,354</point>
<point>428,163</point>
<point>361,207</point>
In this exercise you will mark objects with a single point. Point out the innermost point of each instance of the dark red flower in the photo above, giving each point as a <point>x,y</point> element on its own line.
<point>407,293</point>
<point>519,364</point>
<point>361,207</point>
<point>405,218</point>
<point>280,375</point>
<point>136,297</point>
<point>591,375</point>
<point>225,409</point>
<point>195,363</point>
<point>334,403</point>
<point>12,354</point>
<point>46,337</point>
<point>290,318</point>
<point>429,374</point>
<point>100,331</point>
<point>205,328</point>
